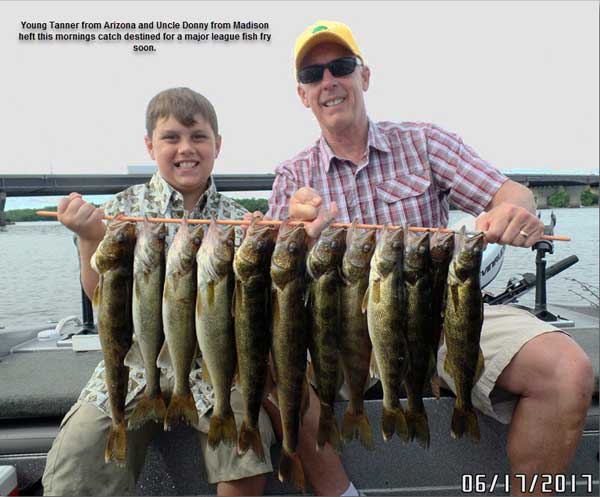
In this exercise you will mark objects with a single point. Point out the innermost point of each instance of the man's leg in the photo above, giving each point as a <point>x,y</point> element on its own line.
<point>323,468</point>
<point>234,474</point>
<point>75,463</point>
<point>554,379</point>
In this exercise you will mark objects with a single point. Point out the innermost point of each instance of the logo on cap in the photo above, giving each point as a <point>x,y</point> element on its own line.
<point>319,28</point>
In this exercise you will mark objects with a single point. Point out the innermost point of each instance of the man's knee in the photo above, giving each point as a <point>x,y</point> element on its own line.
<point>575,378</point>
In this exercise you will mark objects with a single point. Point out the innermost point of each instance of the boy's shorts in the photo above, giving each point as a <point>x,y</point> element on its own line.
<point>505,330</point>
<point>75,463</point>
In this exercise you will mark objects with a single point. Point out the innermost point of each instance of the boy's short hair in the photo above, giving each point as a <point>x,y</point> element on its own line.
<point>183,104</point>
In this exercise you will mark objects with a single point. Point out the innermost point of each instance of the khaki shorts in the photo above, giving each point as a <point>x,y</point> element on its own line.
<point>505,330</point>
<point>75,463</point>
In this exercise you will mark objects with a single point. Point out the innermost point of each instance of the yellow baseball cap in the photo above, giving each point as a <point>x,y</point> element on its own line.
<point>322,32</point>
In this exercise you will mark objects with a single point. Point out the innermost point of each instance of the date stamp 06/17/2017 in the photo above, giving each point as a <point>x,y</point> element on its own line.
<point>545,483</point>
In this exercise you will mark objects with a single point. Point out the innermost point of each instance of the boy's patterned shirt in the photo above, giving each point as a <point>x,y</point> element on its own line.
<point>158,199</point>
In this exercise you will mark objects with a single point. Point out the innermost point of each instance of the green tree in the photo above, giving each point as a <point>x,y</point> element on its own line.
<point>589,198</point>
<point>558,199</point>
<point>254,204</point>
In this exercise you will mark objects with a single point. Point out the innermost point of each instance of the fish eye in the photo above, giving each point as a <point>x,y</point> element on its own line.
<point>333,244</point>
<point>397,245</point>
<point>292,247</point>
<point>229,242</point>
<point>260,245</point>
<point>120,237</point>
<point>366,248</point>
<point>422,249</point>
<point>162,235</point>
<point>197,240</point>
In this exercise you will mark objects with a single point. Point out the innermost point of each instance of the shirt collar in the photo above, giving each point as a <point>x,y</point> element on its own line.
<point>167,197</point>
<point>375,139</point>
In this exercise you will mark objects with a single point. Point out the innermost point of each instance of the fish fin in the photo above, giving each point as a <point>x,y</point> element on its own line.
<point>418,428</point>
<point>134,356</point>
<point>210,293</point>
<point>290,469</point>
<point>147,409</point>
<point>222,429</point>
<point>250,439</point>
<point>198,304</point>
<point>455,296</point>
<point>164,357</point>
<point>373,367</point>
<point>464,421</point>
<point>237,295</point>
<point>365,300</point>
<point>401,425</point>
<point>307,295</point>
<point>116,445</point>
<point>436,386</point>
<point>97,294</point>
<point>328,430</point>
<point>305,400</point>
<point>357,426</point>
<point>479,367</point>
<point>181,408</point>
<point>388,423</point>
<point>275,305</point>
<point>205,373</point>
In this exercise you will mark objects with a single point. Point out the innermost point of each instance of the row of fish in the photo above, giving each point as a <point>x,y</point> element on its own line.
<point>360,306</point>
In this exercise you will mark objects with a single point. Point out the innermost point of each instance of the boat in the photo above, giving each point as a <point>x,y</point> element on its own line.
<point>32,406</point>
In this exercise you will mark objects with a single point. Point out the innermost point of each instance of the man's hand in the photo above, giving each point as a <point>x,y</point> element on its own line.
<point>509,224</point>
<point>307,205</point>
<point>81,217</point>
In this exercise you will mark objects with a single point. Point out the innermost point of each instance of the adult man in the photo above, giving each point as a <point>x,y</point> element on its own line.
<point>407,173</point>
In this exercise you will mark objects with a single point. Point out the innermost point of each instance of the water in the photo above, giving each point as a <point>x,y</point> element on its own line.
<point>39,270</point>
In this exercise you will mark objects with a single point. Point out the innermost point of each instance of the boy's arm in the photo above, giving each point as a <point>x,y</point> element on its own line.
<point>85,220</point>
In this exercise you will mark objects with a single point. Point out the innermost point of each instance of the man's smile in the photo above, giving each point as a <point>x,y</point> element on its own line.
<point>334,101</point>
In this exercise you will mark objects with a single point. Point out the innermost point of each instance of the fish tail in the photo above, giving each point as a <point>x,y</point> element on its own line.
<point>250,438</point>
<point>147,409</point>
<point>290,469</point>
<point>222,429</point>
<point>116,445</point>
<point>464,421</point>
<point>181,407</point>
<point>401,424</point>
<point>328,430</point>
<point>357,426</point>
<point>418,428</point>
<point>388,423</point>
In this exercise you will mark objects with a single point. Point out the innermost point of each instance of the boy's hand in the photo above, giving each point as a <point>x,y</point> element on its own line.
<point>81,217</point>
<point>307,205</point>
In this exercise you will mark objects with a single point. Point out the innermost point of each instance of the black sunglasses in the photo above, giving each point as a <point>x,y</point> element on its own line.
<point>338,68</point>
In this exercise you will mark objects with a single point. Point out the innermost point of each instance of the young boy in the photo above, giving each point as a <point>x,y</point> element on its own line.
<point>183,138</point>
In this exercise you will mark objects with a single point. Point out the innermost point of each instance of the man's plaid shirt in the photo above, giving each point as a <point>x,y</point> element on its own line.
<point>410,173</point>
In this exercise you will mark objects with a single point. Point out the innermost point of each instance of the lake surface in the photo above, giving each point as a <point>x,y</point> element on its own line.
<point>39,269</point>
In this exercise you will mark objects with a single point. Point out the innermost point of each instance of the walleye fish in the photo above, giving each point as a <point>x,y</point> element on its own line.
<point>417,291</point>
<point>355,344</point>
<point>290,336</point>
<point>178,305</point>
<point>214,326</point>
<point>463,319</point>
<point>148,282</point>
<point>252,328</point>
<point>113,261</point>
<point>386,317</point>
<point>441,247</point>
<point>324,267</point>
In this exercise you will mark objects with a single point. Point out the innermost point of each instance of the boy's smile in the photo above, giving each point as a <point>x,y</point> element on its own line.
<point>185,156</point>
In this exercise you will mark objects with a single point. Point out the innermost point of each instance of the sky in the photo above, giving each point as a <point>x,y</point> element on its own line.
<point>518,81</point>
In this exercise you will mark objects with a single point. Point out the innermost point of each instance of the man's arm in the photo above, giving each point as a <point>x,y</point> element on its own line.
<point>509,218</point>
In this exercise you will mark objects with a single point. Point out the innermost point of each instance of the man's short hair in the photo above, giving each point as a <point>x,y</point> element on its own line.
<point>183,104</point>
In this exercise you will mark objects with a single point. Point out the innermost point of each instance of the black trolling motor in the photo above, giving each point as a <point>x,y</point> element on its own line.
<point>516,288</point>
